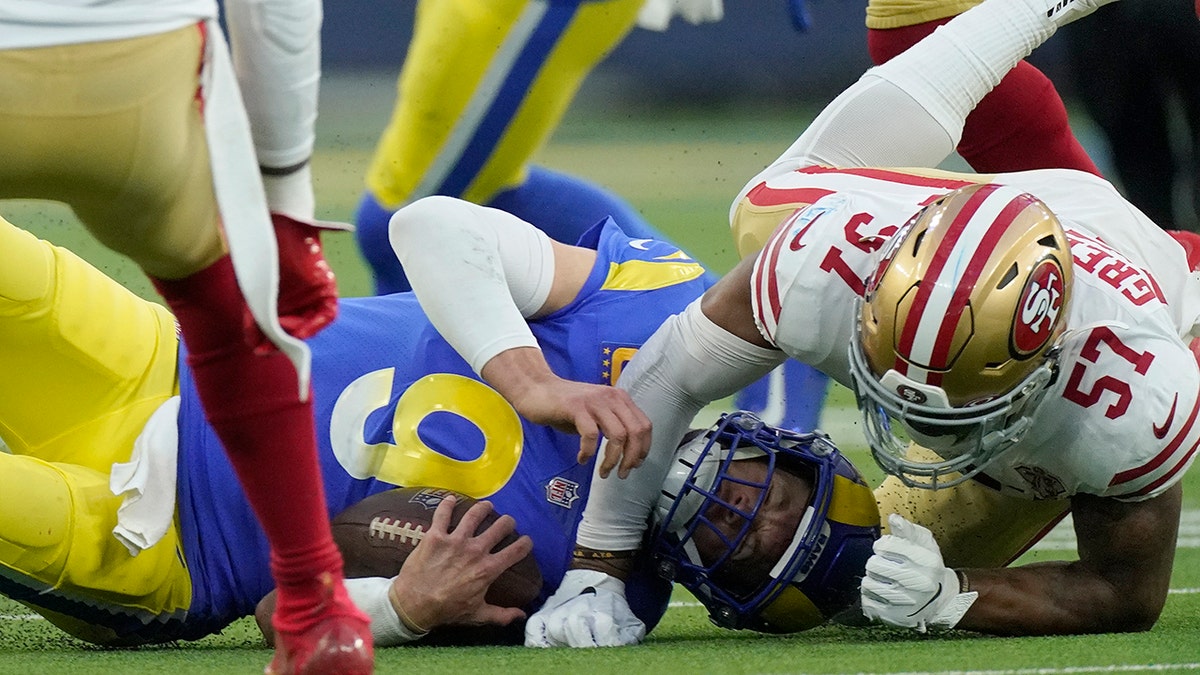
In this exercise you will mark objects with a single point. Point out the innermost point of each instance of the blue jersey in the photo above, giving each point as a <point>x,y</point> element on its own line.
<point>396,405</point>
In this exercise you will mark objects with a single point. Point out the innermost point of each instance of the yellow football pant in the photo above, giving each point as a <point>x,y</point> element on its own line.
<point>462,71</point>
<point>83,364</point>
<point>975,526</point>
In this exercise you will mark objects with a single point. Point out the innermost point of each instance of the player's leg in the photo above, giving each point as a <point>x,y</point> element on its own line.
<point>163,214</point>
<point>85,361</point>
<point>1021,124</point>
<point>975,526</point>
<point>483,86</point>
<point>58,555</point>
<point>1123,92</point>
<point>248,390</point>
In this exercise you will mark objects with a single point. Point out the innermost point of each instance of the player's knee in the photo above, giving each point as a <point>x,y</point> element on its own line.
<point>27,272</point>
<point>36,515</point>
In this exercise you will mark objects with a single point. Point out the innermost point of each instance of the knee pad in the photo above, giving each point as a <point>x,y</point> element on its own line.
<point>36,517</point>
<point>27,272</point>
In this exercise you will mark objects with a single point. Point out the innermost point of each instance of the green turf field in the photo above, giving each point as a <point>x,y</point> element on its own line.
<point>681,169</point>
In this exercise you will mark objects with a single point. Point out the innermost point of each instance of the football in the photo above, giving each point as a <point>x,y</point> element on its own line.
<point>377,534</point>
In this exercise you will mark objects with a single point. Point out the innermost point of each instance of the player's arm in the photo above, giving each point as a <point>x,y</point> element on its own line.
<point>707,352</point>
<point>1119,583</point>
<point>276,51</point>
<point>479,274</point>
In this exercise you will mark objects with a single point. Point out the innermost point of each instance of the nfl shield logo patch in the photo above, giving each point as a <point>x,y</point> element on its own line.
<point>562,492</point>
<point>430,497</point>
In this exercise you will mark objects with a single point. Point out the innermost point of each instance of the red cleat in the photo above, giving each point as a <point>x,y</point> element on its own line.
<point>339,645</point>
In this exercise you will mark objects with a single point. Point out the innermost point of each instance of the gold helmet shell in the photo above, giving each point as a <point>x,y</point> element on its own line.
<point>966,305</point>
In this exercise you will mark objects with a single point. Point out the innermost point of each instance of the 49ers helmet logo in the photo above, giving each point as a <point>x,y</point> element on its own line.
<point>1037,311</point>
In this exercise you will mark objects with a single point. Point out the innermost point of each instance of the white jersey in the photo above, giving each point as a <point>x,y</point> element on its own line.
<point>27,24</point>
<point>1120,419</point>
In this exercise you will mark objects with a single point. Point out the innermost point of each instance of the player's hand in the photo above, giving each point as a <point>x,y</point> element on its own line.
<point>601,415</point>
<point>594,411</point>
<point>444,580</point>
<point>589,609</point>
<point>908,585</point>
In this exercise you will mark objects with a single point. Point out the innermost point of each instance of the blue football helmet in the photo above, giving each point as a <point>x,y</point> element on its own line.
<point>819,574</point>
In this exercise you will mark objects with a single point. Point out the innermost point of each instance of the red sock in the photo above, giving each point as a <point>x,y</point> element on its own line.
<point>251,400</point>
<point>1021,124</point>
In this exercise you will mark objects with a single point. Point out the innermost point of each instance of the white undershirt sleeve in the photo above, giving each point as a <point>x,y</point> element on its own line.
<point>276,50</point>
<point>478,273</point>
<point>688,362</point>
<point>277,55</point>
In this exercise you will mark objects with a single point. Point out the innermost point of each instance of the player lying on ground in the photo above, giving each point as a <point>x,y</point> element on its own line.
<point>122,525</point>
<point>1031,328</point>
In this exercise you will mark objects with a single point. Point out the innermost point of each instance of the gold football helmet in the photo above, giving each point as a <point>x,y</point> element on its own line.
<point>958,331</point>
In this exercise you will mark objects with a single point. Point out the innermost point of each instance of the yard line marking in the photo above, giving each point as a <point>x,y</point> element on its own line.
<point>21,617</point>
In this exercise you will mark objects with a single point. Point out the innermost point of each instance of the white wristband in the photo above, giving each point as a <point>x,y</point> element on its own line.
<point>370,594</point>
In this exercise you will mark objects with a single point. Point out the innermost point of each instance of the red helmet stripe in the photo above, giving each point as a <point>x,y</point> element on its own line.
<point>937,264</point>
<point>976,266</point>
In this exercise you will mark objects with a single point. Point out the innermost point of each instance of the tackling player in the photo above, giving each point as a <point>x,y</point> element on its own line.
<point>1031,329</point>
<point>122,524</point>
<point>130,113</point>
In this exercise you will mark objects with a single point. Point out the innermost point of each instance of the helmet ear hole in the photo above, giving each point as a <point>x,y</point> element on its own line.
<point>917,239</point>
<point>1008,277</point>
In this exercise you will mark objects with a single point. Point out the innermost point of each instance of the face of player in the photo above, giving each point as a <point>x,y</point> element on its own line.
<point>771,531</point>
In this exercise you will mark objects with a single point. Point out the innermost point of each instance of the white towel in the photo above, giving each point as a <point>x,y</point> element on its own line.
<point>147,481</point>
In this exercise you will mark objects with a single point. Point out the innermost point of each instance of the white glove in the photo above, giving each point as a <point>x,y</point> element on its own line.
<point>589,609</point>
<point>906,583</point>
